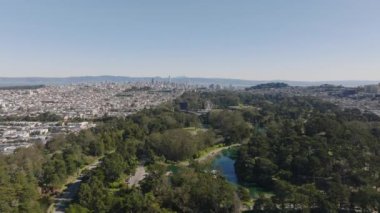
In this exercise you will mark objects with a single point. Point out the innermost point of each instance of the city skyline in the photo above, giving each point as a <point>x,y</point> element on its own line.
<point>253,40</point>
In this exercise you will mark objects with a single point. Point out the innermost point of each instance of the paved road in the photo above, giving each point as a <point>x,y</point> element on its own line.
<point>63,200</point>
<point>137,177</point>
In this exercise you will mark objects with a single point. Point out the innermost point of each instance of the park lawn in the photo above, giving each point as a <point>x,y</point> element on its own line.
<point>195,130</point>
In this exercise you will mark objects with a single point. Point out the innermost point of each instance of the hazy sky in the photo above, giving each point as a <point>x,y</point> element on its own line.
<point>247,39</point>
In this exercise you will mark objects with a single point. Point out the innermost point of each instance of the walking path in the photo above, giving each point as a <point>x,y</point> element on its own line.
<point>214,152</point>
<point>137,177</point>
<point>210,154</point>
<point>141,173</point>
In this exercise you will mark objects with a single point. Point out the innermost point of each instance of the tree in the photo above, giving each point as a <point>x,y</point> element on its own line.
<point>75,208</point>
<point>96,148</point>
<point>174,144</point>
<point>263,204</point>
<point>230,124</point>
<point>93,195</point>
<point>113,166</point>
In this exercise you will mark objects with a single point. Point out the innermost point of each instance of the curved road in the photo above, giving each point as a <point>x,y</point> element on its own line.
<point>63,200</point>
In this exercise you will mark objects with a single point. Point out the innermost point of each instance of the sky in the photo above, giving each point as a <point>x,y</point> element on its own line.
<point>308,40</point>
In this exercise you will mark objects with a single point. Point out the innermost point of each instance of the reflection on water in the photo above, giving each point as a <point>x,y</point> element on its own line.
<point>224,164</point>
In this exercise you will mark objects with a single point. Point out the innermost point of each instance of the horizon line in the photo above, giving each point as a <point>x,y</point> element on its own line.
<point>179,77</point>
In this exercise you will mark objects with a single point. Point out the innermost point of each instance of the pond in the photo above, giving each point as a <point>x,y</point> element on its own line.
<point>224,164</point>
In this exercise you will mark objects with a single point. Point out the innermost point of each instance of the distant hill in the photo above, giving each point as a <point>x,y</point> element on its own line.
<point>22,87</point>
<point>272,85</point>
<point>23,81</point>
<point>62,81</point>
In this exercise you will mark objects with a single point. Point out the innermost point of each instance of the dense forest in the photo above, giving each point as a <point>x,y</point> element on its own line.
<point>310,155</point>
<point>313,156</point>
<point>162,137</point>
<point>31,177</point>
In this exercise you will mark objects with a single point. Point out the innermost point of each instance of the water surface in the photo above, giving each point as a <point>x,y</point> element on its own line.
<point>224,163</point>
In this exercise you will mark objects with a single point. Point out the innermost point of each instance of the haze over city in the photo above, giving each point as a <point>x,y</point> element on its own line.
<point>246,39</point>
